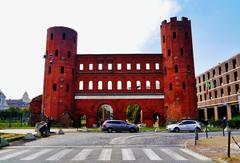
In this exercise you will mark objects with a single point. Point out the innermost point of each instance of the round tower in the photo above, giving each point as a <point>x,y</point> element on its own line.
<point>58,91</point>
<point>180,100</point>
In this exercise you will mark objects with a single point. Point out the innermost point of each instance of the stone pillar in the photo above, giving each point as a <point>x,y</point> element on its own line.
<point>215,113</point>
<point>229,113</point>
<point>205,114</point>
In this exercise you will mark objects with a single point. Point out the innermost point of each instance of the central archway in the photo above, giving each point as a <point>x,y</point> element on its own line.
<point>105,112</point>
<point>133,114</point>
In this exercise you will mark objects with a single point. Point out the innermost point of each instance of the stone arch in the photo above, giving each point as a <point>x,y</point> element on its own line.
<point>133,113</point>
<point>104,111</point>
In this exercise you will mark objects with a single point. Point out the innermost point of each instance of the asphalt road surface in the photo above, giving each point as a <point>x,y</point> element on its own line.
<point>105,147</point>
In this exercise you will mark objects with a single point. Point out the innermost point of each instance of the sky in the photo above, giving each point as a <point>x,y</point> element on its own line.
<point>108,26</point>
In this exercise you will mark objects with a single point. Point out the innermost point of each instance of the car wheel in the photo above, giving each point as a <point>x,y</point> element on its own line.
<point>109,130</point>
<point>176,129</point>
<point>132,130</point>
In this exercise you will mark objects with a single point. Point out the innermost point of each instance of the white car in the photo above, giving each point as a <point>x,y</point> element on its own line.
<point>184,125</point>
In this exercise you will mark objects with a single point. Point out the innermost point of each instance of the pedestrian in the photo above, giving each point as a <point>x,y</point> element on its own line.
<point>49,123</point>
<point>224,123</point>
<point>43,129</point>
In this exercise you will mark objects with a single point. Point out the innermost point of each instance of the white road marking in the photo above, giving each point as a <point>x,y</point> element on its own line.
<point>5,151</point>
<point>12,155</point>
<point>127,154</point>
<point>82,155</point>
<point>59,155</point>
<point>105,155</point>
<point>196,155</point>
<point>151,155</point>
<point>35,155</point>
<point>173,154</point>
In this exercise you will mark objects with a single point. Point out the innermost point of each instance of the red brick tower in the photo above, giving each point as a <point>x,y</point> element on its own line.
<point>59,74</point>
<point>180,99</point>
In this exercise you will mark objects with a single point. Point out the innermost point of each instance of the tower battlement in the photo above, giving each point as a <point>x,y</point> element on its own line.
<point>174,20</point>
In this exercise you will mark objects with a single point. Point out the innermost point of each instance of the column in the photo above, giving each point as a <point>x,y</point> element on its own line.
<point>215,113</point>
<point>205,114</point>
<point>229,113</point>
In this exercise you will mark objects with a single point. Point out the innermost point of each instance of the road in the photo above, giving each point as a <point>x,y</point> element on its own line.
<point>105,147</point>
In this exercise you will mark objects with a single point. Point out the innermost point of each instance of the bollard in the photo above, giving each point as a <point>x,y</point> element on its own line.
<point>196,136</point>
<point>229,135</point>
<point>223,132</point>
<point>206,132</point>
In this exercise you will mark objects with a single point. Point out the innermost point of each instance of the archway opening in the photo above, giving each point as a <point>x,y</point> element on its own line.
<point>133,113</point>
<point>83,121</point>
<point>156,119</point>
<point>105,112</point>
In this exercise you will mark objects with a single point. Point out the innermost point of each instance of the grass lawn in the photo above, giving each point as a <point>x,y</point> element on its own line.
<point>13,124</point>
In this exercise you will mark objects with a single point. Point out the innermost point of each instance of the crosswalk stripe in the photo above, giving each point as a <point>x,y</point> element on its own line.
<point>5,151</point>
<point>12,155</point>
<point>127,154</point>
<point>196,155</point>
<point>35,155</point>
<point>82,155</point>
<point>105,155</point>
<point>59,155</point>
<point>151,155</point>
<point>173,154</point>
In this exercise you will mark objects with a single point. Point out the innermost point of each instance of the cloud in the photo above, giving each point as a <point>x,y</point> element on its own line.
<point>103,26</point>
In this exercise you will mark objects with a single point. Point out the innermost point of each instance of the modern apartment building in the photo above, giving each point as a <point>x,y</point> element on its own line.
<point>218,90</point>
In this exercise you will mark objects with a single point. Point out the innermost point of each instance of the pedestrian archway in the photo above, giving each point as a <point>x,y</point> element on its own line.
<point>133,114</point>
<point>105,112</point>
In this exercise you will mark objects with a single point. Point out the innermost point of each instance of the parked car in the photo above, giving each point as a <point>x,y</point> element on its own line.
<point>118,126</point>
<point>184,125</point>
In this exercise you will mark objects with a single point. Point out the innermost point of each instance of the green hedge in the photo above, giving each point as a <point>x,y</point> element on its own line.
<point>234,122</point>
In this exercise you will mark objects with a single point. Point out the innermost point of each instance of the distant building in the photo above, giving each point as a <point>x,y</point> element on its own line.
<point>3,103</point>
<point>218,90</point>
<point>21,103</point>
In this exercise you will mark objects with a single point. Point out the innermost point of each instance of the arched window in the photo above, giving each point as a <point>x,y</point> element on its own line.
<point>129,85</point>
<point>81,85</point>
<point>109,85</point>
<point>119,85</point>
<point>90,85</point>
<point>99,85</point>
<point>148,84</point>
<point>157,84</point>
<point>138,84</point>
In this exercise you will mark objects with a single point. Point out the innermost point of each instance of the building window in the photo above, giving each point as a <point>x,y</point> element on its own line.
<point>181,51</point>
<point>56,52</point>
<point>174,35</point>
<point>128,66</point>
<point>205,96</point>
<point>176,68</point>
<point>186,35</point>
<point>54,87</point>
<point>200,88</point>
<point>204,87</point>
<point>228,78</point>
<point>226,67</point>
<point>119,85</point>
<point>157,85</point>
<point>109,85</point>
<point>81,85</point>
<point>138,85</point>
<point>49,70</point>
<point>51,36</point>
<point>62,70</point>
<point>229,90</point>
<point>165,71</point>
<point>129,85</point>
<point>170,86</point>
<point>184,86</point>
<point>213,72</point>
<point>210,95</point>
<point>214,84</point>
<point>163,39</point>
<point>100,85</point>
<point>138,66</point>
<point>156,66</point>
<point>215,94</point>
<point>234,63</point>
<point>109,66</point>
<point>69,54</point>
<point>90,66</point>
<point>119,66</point>
<point>200,97</point>
<point>235,76</point>
<point>100,66</point>
<point>147,66</point>
<point>64,36</point>
<point>169,52</point>
<point>203,77</point>
<point>199,80</point>
<point>67,88</point>
<point>90,85</point>
<point>220,81</point>
<point>222,92</point>
<point>148,84</point>
<point>81,66</point>
<point>208,75</point>
<point>219,70</point>
<point>237,88</point>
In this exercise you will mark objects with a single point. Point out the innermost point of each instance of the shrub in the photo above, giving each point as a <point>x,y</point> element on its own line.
<point>234,122</point>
